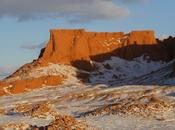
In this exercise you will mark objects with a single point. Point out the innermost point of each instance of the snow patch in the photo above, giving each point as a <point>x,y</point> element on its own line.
<point>121,69</point>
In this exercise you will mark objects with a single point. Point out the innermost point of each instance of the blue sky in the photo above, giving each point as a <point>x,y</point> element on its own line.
<point>26,23</point>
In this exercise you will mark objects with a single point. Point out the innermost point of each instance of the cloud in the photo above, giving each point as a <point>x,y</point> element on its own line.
<point>32,46</point>
<point>72,10</point>
<point>134,1</point>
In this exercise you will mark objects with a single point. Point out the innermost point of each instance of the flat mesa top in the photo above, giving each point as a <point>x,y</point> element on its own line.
<point>84,30</point>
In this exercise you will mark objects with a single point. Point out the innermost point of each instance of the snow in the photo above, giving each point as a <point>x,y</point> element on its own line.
<point>75,107</point>
<point>122,71</point>
<point>51,69</point>
<point>75,98</point>
<point>119,72</point>
<point>113,122</point>
<point>58,69</point>
<point>27,120</point>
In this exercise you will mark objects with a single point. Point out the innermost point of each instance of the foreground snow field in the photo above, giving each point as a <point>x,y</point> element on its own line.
<point>121,94</point>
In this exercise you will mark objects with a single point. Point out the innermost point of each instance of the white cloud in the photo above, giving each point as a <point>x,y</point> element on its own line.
<point>134,1</point>
<point>32,46</point>
<point>72,10</point>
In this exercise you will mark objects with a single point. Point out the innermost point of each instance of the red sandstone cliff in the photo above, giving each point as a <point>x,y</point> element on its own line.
<point>69,46</point>
<point>66,46</point>
<point>78,47</point>
<point>146,37</point>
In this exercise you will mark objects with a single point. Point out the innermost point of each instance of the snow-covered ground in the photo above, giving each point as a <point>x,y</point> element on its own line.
<point>78,99</point>
<point>117,71</point>
<point>113,122</point>
<point>121,95</point>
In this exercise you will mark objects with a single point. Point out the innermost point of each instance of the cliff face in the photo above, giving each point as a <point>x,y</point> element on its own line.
<point>71,45</point>
<point>78,48</point>
<point>75,46</point>
<point>141,38</point>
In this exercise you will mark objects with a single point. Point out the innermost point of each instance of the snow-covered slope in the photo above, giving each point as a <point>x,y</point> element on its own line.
<point>120,95</point>
<point>141,70</point>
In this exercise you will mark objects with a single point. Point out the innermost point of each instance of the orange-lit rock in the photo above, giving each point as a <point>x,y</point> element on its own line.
<point>2,92</point>
<point>69,46</point>
<point>19,86</point>
<point>141,37</point>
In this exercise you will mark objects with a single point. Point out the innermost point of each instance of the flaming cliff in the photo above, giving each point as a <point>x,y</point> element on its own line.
<point>66,46</point>
<point>78,47</point>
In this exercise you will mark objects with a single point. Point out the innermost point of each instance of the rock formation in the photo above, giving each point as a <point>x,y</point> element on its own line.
<point>24,85</point>
<point>170,45</point>
<point>78,46</point>
<point>141,38</point>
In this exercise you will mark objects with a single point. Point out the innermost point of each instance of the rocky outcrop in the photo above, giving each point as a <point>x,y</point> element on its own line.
<point>20,86</point>
<point>141,38</point>
<point>169,43</point>
<point>78,46</point>
<point>71,45</point>
<point>42,110</point>
<point>170,46</point>
<point>154,108</point>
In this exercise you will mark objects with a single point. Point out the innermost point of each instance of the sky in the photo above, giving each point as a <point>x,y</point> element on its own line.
<point>25,24</point>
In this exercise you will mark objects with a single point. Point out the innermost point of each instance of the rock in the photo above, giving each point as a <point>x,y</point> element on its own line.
<point>2,111</point>
<point>19,86</point>
<point>108,66</point>
<point>76,47</point>
<point>170,44</point>
<point>14,126</point>
<point>142,37</point>
<point>174,68</point>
